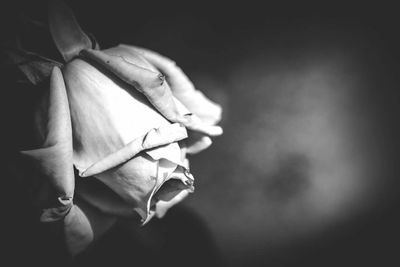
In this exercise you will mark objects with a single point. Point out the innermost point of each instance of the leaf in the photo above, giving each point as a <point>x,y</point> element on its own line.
<point>65,30</point>
<point>36,68</point>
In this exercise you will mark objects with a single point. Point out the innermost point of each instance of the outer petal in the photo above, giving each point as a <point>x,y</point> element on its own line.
<point>182,88</point>
<point>83,225</point>
<point>170,188</point>
<point>141,178</point>
<point>103,198</point>
<point>106,116</point>
<point>197,143</point>
<point>206,111</point>
<point>154,138</point>
<point>152,85</point>
<point>163,206</point>
<point>54,158</point>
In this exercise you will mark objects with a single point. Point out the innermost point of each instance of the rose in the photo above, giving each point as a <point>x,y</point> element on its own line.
<point>125,118</point>
<point>107,115</point>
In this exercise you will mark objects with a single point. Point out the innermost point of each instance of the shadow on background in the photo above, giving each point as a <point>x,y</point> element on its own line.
<point>306,172</point>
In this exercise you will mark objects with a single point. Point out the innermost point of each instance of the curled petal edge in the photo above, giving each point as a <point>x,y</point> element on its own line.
<point>181,86</point>
<point>152,84</point>
<point>155,137</point>
<point>207,112</point>
<point>57,213</point>
<point>187,180</point>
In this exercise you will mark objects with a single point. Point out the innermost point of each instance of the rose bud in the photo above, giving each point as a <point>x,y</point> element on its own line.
<point>120,139</point>
<point>124,118</point>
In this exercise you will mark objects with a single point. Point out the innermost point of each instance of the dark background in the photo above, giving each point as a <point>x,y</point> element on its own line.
<point>306,173</point>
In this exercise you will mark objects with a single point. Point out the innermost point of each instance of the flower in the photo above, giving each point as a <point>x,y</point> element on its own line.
<point>121,140</point>
<point>125,118</point>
